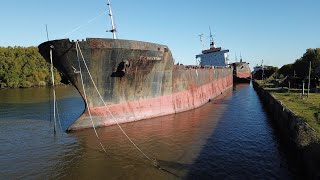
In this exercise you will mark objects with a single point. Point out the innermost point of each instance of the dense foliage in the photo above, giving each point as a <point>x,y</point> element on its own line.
<point>300,68</point>
<point>24,67</point>
<point>266,73</point>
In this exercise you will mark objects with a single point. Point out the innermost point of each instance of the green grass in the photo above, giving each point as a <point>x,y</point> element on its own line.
<point>306,108</point>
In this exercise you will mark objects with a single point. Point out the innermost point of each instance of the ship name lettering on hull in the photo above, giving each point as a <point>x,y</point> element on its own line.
<point>149,58</point>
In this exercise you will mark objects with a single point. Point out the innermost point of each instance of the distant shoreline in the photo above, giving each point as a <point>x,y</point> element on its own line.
<point>44,86</point>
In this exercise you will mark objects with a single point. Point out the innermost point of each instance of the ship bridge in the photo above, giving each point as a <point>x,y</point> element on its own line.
<point>213,57</point>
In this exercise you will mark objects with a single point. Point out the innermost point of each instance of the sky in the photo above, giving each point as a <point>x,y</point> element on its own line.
<point>275,31</point>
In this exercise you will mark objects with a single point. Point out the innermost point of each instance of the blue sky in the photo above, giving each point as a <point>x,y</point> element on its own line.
<point>276,31</point>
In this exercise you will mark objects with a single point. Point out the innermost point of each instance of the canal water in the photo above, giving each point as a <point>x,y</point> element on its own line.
<point>230,137</point>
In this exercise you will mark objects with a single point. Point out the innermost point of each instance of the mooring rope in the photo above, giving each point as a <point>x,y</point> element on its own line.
<point>86,100</point>
<point>154,162</point>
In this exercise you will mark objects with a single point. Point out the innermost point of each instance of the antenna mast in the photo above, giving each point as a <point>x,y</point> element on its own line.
<point>235,56</point>
<point>201,40</point>
<point>211,39</point>
<point>113,27</point>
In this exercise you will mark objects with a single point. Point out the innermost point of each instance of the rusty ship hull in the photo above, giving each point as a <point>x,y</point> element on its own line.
<point>241,72</point>
<point>137,80</point>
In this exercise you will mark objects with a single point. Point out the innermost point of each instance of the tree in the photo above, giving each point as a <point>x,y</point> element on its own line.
<point>24,67</point>
<point>301,65</point>
<point>286,70</point>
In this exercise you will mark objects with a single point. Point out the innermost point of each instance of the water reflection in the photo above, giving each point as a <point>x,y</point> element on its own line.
<point>244,145</point>
<point>28,147</point>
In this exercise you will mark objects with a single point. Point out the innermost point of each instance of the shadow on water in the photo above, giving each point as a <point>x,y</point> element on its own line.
<point>287,149</point>
<point>244,145</point>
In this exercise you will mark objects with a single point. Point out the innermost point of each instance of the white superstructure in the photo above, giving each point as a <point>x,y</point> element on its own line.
<point>213,56</point>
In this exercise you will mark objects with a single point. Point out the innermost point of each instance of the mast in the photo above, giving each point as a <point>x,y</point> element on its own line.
<point>235,56</point>
<point>113,27</point>
<point>211,39</point>
<point>201,40</point>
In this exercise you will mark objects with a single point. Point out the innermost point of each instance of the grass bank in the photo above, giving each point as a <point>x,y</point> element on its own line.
<point>307,108</point>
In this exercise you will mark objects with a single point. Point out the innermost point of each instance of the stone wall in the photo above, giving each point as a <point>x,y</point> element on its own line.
<point>299,135</point>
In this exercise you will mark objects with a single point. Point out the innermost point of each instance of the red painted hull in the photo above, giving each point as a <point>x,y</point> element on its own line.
<point>246,75</point>
<point>153,107</point>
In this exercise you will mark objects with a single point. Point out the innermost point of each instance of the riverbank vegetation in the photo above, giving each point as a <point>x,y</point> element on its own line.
<point>295,76</point>
<point>300,68</point>
<point>287,83</point>
<point>24,67</point>
<point>307,108</point>
<point>297,73</point>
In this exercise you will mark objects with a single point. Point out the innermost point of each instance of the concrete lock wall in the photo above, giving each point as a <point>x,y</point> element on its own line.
<point>299,136</point>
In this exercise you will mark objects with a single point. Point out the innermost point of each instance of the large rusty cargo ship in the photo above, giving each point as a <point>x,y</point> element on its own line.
<point>136,80</point>
<point>124,80</point>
